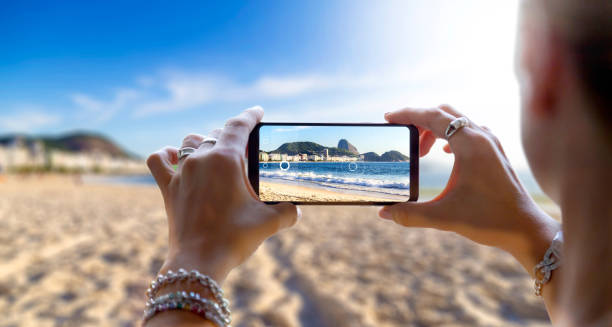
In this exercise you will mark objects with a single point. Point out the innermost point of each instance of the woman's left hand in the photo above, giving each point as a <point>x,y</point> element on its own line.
<point>215,219</point>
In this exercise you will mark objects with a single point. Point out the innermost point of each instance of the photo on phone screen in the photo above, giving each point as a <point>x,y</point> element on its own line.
<point>334,163</point>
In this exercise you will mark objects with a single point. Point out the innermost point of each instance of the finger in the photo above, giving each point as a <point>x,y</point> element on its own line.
<point>190,141</point>
<point>215,133</point>
<point>450,110</point>
<point>160,164</point>
<point>433,119</point>
<point>447,148</point>
<point>284,215</point>
<point>412,214</point>
<point>426,142</point>
<point>236,132</point>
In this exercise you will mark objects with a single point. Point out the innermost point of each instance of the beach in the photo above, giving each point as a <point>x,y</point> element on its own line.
<point>74,254</point>
<point>275,191</point>
<point>336,181</point>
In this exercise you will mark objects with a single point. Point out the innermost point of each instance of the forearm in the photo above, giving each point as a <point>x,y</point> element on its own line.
<point>529,249</point>
<point>177,318</point>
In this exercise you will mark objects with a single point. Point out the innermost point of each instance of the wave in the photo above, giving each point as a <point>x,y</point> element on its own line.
<point>334,179</point>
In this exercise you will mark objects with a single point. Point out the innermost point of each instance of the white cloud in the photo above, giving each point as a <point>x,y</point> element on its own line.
<point>102,111</point>
<point>176,91</point>
<point>27,120</point>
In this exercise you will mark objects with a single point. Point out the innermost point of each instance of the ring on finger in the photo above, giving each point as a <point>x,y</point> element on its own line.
<point>454,126</point>
<point>185,151</point>
<point>210,140</point>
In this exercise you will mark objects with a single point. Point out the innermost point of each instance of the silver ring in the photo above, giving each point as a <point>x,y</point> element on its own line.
<point>454,126</point>
<point>184,152</point>
<point>208,139</point>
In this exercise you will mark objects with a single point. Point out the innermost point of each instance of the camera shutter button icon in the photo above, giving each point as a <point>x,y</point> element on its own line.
<point>284,165</point>
<point>352,166</point>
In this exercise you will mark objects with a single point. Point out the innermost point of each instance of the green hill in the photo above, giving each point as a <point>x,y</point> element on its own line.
<point>72,142</point>
<point>392,156</point>
<point>389,156</point>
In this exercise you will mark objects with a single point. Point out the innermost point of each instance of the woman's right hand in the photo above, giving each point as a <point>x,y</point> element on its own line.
<point>483,200</point>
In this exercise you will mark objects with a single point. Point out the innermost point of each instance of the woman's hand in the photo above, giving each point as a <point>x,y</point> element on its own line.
<point>215,220</point>
<point>484,200</point>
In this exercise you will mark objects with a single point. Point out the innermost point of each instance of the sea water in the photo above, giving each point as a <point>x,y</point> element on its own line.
<point>391,178</point>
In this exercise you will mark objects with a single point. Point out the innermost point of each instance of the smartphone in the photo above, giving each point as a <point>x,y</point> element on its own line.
<point>341,163</point>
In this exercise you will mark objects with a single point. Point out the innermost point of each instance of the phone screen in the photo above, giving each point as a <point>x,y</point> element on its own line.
<point>334,163</point>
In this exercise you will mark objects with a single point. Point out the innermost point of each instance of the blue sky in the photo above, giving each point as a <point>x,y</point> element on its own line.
<point>364,138</point>
<point>147,73</point>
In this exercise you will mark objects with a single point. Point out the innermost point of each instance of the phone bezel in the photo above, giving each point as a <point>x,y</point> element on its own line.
<point>253,160</point>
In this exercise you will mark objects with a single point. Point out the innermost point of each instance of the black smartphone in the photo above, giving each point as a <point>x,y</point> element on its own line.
<point>342,163</point>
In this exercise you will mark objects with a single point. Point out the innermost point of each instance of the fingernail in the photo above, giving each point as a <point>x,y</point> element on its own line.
<point>258,108</point>
<point>299,213</point>
<point>384,213</point>
<point>387,114</point>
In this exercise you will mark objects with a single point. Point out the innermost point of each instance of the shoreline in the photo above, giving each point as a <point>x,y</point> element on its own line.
<point>278,191</point>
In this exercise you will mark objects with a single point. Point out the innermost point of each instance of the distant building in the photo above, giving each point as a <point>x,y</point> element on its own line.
<point>275,157</point>
<point>303,157</point>
<point>326,154</point>
<point>18,154</point>
<point>264,156</point>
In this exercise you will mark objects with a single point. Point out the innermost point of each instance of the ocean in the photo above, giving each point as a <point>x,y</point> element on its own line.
<point>392,178</point>
<point>369,174</point>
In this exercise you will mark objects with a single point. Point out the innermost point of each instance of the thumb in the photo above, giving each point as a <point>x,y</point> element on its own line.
<point>411,214</point>
<point>285,215</point>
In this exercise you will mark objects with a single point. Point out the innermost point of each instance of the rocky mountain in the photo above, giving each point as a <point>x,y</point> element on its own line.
<point>346,145</point>
<point>86,142</point>
<point>389,156</point>
<point>293,148</point>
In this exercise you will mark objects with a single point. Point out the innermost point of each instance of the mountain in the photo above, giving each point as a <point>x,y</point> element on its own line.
<point>371,156</point>
<point>293,148</point>
<point>73,142</point>
<point>389,156</point>
<point>346,145</point>
<point>392,156</point>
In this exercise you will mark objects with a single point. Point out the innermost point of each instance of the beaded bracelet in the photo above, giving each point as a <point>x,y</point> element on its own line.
<point>193,276</point>
<point>191,302</point>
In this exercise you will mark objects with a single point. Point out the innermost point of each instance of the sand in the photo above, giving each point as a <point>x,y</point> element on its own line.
<point>270,191</point>
<point>82,255</point>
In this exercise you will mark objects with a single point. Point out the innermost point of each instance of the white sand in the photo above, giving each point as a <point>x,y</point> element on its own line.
<point>82,256</point>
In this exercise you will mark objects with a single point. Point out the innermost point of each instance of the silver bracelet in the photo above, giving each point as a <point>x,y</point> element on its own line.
<point>215,310</point>
<point>192,276</point>
<point>552,260</point>
<point>191,302</point>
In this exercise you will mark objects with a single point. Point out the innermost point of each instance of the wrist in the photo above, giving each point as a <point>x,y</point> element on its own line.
<point>215,264</point>
<point>533,240</point>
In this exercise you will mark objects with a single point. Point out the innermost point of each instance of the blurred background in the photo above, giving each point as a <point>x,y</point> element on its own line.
<point>89,89</point>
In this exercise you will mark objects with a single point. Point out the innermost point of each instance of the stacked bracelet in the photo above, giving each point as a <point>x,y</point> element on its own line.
<point>552,260</point>
<point>216,310</point>
<point>192,302</point>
